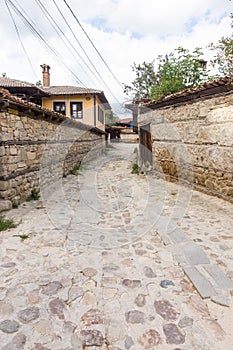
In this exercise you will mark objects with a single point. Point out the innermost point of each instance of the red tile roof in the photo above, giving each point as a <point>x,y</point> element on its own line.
<point>14,84</point>
<point>70,90</point>
<point>53,90</point>
<point>206,89</point>
<point>5,96</point>
<point>76,90</point>
<point>7,82</point>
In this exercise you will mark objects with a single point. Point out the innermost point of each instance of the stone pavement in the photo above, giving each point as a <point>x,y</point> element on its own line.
<point>114,260</point>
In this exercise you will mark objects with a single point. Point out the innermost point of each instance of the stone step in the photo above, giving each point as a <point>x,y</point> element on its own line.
<point>203,286</point>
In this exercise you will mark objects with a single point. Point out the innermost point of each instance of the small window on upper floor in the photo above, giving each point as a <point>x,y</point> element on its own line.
<point>59,107</point>
<point>76,110</point>
<point>100,115</point>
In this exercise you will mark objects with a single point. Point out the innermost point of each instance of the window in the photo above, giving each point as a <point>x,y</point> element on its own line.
<point>100,115</point>
<point>59,107</point>
<point>76,110</point>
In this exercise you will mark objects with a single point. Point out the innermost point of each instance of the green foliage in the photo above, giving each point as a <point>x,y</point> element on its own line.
<point>111,118</point>
<point>178,71</point>
<point>5,224</point>
<point>15,205</point>
<point>145,78</point>
<point>223,59</point>
<point>34,195</point>
<point>75,170</point>
<point>23,237</point>
<point>175,72</point>
<point>135,169</point>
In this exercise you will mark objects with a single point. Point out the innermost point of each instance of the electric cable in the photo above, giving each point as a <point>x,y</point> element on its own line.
<point>65,20</point>
<point>20,40</point>
<point>32,27</point>
<point>99,54</point>
<point>60,31</point>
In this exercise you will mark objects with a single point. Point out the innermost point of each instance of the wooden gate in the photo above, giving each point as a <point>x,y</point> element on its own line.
<point>145,145</point>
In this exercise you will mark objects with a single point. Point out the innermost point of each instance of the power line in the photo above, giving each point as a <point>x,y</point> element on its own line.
<point>32,27</point>
<point>58,31</point>
<point>77,20</point>
<point>37,33</point>
<point>103,82</point>
<point>20,40</point>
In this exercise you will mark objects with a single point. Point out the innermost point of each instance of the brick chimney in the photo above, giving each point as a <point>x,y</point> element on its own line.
<point>46,75</point>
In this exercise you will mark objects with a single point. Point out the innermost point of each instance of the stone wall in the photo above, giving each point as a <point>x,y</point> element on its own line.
<point>37,146</point>
<point>192,139</point>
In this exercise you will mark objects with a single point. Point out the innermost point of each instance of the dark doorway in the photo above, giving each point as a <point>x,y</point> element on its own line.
<point>145,145</point>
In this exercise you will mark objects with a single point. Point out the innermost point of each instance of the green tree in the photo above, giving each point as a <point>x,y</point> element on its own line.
<point>111,118</point>
<point>145,78</point>
<point>223,58</point>
<point>176,71</point>
<point>179,70</point>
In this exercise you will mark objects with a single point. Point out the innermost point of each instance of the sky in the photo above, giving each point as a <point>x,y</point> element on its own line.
<point>123,32</point>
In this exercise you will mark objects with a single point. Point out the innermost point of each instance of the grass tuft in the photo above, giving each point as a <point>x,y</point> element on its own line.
<point>34,196</point>
<point>5,224</point>
<point>135,169</point>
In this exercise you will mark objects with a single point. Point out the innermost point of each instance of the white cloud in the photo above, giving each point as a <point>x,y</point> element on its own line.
<point>124,31</point>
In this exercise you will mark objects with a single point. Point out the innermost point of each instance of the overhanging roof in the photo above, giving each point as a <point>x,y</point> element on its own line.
<point>22,87</point>
<point>76,90</point>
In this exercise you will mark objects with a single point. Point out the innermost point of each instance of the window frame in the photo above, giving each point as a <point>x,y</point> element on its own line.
<point>101,115</point>
<point>60,102</point>
<point>82,110</point>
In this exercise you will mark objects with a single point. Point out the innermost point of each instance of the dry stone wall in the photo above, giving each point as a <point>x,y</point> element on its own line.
<point>32,139</point>
<point>193,141</point>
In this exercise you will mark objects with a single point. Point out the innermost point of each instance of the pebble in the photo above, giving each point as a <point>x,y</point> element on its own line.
<point>110,268</point>
<point>8,326</point>
<point>41,347</point>
<point>6,308</point>
<point>173,334</point>
<point>150,339</point>
<point>166,310</point>
<point>149,272</point>
<point>17,343</point>
<point>166,283</point>
<point>89,272</point>
<point>92,338</point>
<point>135,316</point>
<point>93,316</point>
<point>131,283</point>
<point>51,288</point>
<point>9,265</point>
<point>129,342</point>
<point>140,300</point>
<point>56,307</point>
<point>185,322</point>
<point>28,315</point>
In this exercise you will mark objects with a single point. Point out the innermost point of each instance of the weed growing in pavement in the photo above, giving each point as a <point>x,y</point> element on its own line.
<point>135,169</point>
<point>34,196</point>
<point>5,224</point>
<point>75,170</point>
<point>23,237</point>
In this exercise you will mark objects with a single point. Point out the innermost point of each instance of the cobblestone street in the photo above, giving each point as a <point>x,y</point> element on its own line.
<point>115,260</point>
